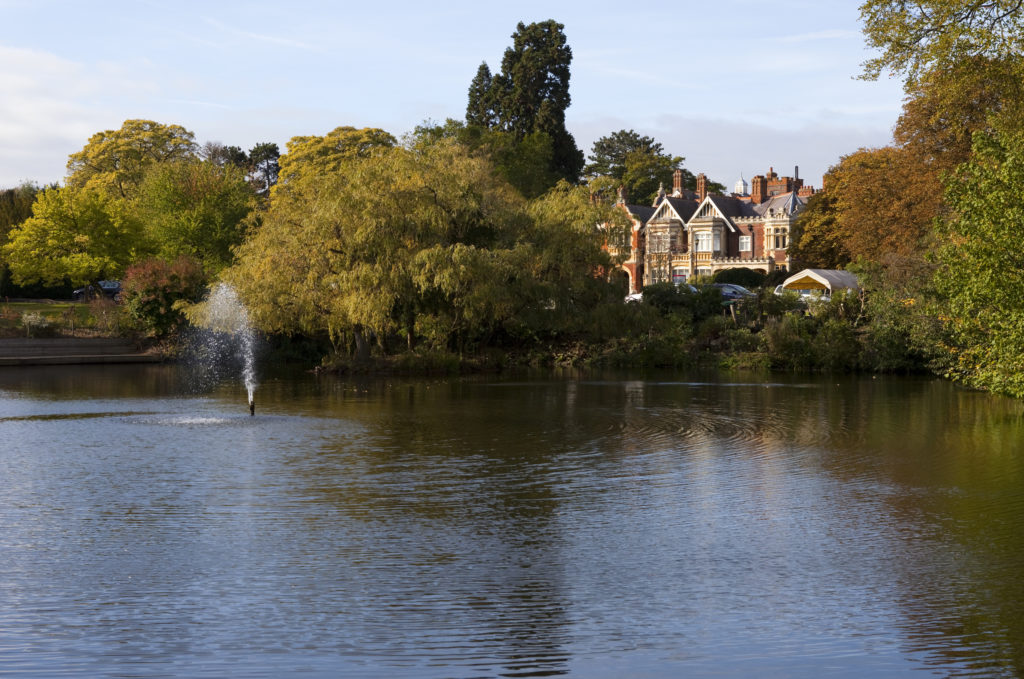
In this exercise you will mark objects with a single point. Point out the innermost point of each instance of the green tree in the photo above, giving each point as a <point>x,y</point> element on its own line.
<point>312,156</point>
<point>915,38</point>
<point>480,109</point>
<point>531,93</point>
<point>15,207</point>
<point>263,161</point>
<point>83,235</point>
<point>449,254</point>
<point>219,154</point>
<point>817,241</point>
<point>944,107</point>
<point>196,209</point>
<point>981,273</point>
<point>637,163</point>
<point>525,163</point>
<point>334,256</point>
<point>116,161</point>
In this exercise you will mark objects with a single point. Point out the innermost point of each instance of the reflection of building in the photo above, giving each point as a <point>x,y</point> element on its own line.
<point>688,233</point>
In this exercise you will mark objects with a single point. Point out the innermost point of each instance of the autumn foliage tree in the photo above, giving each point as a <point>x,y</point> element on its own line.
<point>424,242</point>
<point>155,289</point>
<point>83,235</point>
<point>115,161</point>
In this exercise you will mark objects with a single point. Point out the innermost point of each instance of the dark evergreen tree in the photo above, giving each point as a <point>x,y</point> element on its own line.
<point>531,93</point>
<point>480,110</point>
<point>263,159</point>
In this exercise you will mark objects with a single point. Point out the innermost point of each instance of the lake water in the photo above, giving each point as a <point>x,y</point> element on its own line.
<point>655,526</point>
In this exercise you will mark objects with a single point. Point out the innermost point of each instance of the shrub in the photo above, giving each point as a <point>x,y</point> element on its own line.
<point>153,290</point>
<point>105,315</point>
<point>681,301</point>
<point>748,278</point>
<point>720,333</point>
<point>789,343</point>
<point>836,346</point>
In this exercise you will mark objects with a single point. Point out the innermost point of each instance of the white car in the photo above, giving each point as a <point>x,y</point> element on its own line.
<point>804,294</point>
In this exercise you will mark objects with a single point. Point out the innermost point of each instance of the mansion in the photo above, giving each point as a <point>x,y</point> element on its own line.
<point>686,233</point>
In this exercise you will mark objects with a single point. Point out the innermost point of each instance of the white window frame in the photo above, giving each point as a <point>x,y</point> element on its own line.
<point>702,241</point>
<point>746,243</point>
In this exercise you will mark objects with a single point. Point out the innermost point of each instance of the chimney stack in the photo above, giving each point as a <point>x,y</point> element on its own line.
<point>702,186</point>
<point>623,195</point>
<point>758,189</point>
<point>677,183</point>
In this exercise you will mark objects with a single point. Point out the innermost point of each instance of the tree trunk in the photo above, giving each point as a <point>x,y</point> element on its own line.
<point>362,347</point>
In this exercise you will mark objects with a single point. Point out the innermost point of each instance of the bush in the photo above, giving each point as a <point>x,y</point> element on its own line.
<point>153,290</point>
<point>105,315</point>
<point>721,334</point>
<point>836,346</point>
<point>748,278</point>
<point>681,301</point>
<point>789,343</point>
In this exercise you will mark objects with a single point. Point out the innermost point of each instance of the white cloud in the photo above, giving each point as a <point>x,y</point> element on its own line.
<point>48,110</point>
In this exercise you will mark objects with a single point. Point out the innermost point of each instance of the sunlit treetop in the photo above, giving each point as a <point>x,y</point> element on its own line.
<point>915,37</point>
<point>115,161</point>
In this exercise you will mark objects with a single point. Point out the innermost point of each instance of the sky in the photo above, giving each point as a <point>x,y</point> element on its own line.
<point>734,86</point>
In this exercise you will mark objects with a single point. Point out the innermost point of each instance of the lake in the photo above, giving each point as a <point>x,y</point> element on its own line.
<point>657,525</point>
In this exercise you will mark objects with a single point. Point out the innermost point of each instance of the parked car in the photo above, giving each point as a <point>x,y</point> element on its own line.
<point>639,296</point>
<point>731,291</point>
<point>109,289</point>
<point>805,295</point>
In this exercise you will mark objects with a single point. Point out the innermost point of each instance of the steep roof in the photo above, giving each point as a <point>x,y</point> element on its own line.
<point>732,207</point>
<point>684,207</point>
<point>788,203</point>
<point>639,212</point>
<point>725,207</point>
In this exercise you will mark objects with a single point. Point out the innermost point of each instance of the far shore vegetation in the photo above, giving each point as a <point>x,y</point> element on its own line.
<point>473,244</point>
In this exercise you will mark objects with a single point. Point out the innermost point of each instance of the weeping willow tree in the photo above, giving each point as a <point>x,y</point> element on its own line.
<point>427,243</point>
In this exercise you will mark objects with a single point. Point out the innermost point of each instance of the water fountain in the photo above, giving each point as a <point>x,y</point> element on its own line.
<point>228,336</point>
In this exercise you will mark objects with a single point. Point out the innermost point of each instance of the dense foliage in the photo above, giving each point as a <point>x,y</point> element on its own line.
<point>424,244</point>
<point>474,239</point>
<point>530,94</point>
<point>154,290</point>
<point>634,162</point>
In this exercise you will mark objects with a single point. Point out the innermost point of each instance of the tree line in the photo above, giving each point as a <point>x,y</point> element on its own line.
<point>459,235</point>
<point>930,221</point>
<point>479,233</point>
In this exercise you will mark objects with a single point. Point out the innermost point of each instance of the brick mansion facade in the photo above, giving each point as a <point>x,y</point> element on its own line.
<point>687,233</point>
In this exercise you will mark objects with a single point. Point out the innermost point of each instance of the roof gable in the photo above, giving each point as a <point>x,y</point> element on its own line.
<point>724,208</point>
<point>641,213</point>
<point>674,208</point>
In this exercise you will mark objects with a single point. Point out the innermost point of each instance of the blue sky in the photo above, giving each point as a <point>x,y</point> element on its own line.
<point>732,86</point>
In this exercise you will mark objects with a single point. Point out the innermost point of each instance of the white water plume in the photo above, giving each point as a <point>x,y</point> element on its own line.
<point>229,332</point>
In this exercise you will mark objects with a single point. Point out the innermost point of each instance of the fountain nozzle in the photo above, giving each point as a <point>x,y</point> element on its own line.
<point>252,408</point>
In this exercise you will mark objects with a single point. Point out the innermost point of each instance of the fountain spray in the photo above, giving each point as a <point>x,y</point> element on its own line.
<point>226,316</point>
